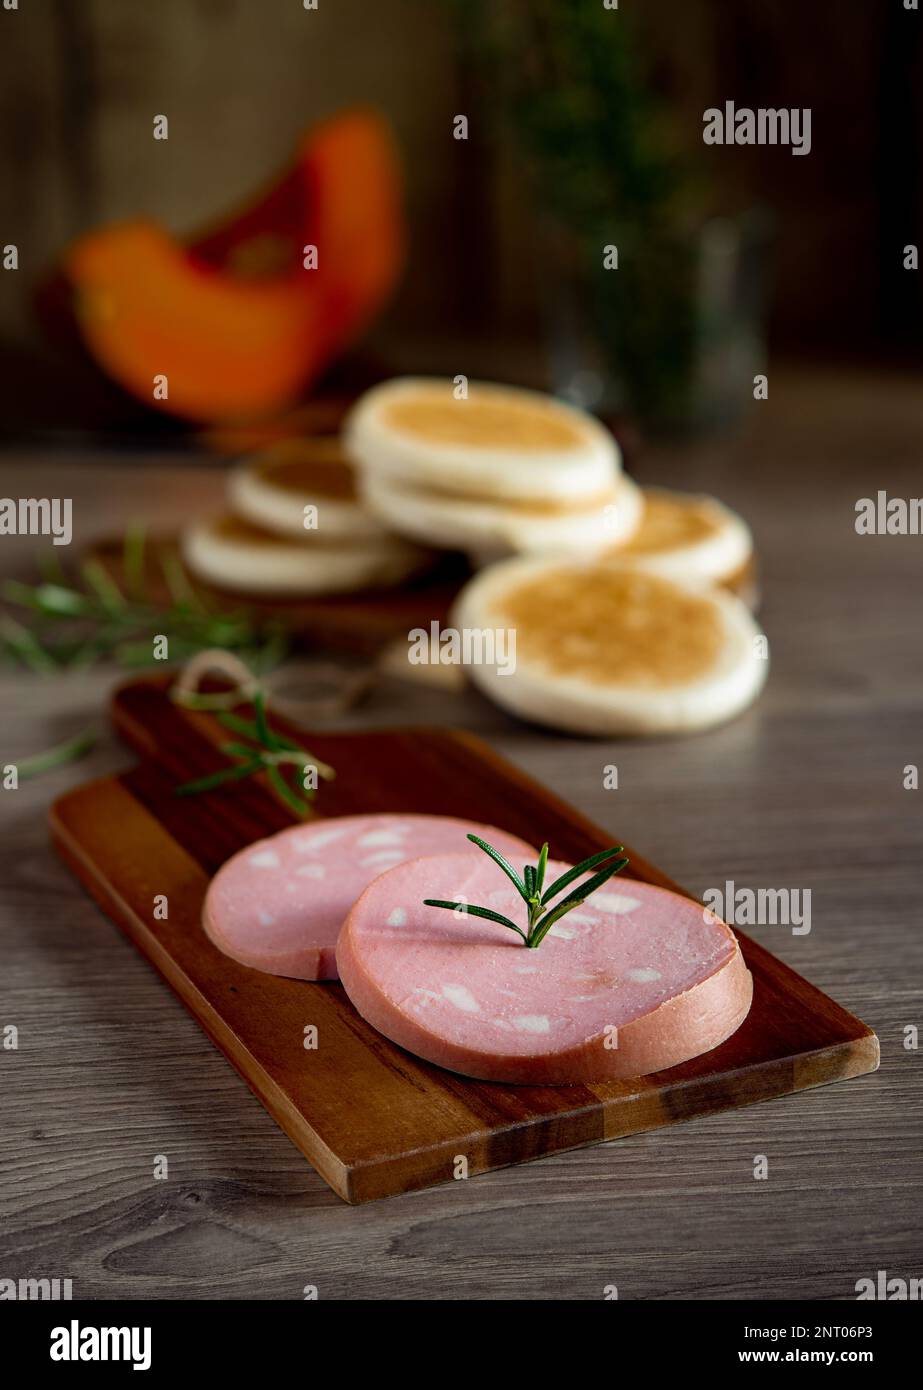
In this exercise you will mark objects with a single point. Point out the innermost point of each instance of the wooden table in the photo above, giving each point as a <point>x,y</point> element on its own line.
<point>804,791</point>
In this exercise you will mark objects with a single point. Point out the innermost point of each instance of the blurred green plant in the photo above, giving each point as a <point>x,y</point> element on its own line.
<point>68,625</point>
<point>606,170</point>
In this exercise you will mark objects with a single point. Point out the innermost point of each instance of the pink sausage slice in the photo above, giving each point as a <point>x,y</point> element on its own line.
<point>279,904</point>
<point>635,980</point>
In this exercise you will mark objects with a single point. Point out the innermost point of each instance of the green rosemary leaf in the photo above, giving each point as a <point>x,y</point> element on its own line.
<point>221,631</point>
<point>504,864</point>
<point>542,866</point>
<point>61,753</point>
<point>237,725</point>
<point>471,911</point>
<point>544,924</point>
<point>597,881</point>
<point>181,591</point>
<point>263,732</point>
<point>55,601</point>
<point>579,869</point>
<point>133,559</point>
<point>14,591</point>
<point>240,750</point>
<point>296,803</point>
<point>259,731</point>
<point>217,779</point>
<point>529,878</point>
<point>26,646</point>
<point>286,745</point>
<point>103,586</point>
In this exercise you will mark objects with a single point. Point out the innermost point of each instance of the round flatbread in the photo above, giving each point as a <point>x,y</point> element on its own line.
<point>634,980</point>
<point>601,649</point>
<point>499,442</point>
<point>234,555</point>
<point>499,528</point>
<point>274,489</point>
<point>279,904</point>
<point>686,536</point>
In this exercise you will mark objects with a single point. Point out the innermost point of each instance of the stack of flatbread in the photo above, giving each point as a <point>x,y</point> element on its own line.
<point>619,598</point>
<point>296,527</point>
<point>493,471</point>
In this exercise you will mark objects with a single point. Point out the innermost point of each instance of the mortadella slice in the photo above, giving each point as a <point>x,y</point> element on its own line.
<point>279,904</point>
<point>634,980</point>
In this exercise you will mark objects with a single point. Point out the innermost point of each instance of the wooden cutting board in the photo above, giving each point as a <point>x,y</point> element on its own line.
<point>373,1119</point>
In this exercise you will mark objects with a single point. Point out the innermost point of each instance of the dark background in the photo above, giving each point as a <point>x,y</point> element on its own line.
<point>81,82</point>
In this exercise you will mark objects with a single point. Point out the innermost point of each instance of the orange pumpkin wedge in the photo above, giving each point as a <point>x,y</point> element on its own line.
<point>239,346</point>
<point>357,221</point>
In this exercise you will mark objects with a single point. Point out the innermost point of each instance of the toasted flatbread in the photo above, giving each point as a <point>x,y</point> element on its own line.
<point>275,489</point>
<point>685,535</point>
<point>234,555</point>
<point>500,528</point>
<point>603,649</point>
<point>497,443</point>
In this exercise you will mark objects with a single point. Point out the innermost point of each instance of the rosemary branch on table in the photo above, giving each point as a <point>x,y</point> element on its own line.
<point>69,625</point>
<point>530,886</point>
<point>71,751</point>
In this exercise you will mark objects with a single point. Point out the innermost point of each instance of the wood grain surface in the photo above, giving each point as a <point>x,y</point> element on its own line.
<point>373,1119</point>
<point>804,790</point>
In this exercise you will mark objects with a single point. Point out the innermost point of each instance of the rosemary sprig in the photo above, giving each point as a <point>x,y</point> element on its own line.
<point>69,752</point>
<point>267,751</point>
<point>530,886</point>
<point>75,624</point>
